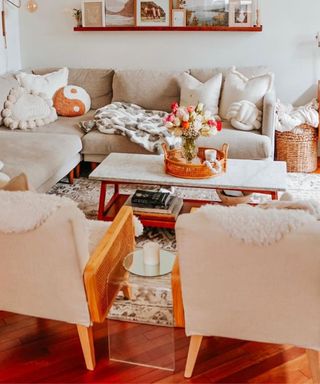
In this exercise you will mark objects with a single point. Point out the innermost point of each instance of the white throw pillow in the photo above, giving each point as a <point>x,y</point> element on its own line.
<point>238,87</point>
<point>4,179</point>
<point>194,91</point>
<point>25,109</point>
<point>48,84</point>
<point>244,115</point>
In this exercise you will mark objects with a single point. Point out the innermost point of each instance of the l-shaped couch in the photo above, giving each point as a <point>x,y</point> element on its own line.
<point>50,152</point>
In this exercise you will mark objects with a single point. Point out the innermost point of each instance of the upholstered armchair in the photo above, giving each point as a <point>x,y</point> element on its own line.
<point>55,264</point>
<point>257,292</point>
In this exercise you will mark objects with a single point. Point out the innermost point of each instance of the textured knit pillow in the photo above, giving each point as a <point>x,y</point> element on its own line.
<point>194,91</point>
<point>48,84</point>
<point>27,110</point>
<point>238,87</point>
<point>245,116</point>
<point>71,101</point>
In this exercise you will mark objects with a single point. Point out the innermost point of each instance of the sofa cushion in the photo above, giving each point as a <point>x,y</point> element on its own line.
<point>97,143</point>
<point>35,155</point>
<point>238,87</point>
<point>155,90</point>
<point>66,125</point>
<point>97,82</point>
<point>204,74</point>
<point>242,144</point>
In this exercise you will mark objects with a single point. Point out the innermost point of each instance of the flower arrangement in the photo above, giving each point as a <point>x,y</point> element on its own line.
<point>77,14</point>
<point>190,123</point>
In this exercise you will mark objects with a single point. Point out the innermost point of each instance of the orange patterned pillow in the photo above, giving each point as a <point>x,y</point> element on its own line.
<point>71,101</point>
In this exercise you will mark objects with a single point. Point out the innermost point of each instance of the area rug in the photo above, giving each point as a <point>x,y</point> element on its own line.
<point>151,298</point>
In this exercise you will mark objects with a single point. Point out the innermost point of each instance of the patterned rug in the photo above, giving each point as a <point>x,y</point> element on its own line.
<point>151,300</point>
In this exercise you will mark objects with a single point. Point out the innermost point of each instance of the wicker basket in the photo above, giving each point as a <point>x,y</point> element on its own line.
<point>175,165</point>
<point>299,149</point>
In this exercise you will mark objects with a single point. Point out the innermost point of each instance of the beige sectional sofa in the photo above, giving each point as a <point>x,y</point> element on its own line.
<point>48,153</point>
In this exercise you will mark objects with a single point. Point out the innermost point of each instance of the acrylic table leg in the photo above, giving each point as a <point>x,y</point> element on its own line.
<point>102,200</point>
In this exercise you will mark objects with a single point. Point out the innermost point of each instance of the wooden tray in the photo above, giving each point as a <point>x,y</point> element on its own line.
<point>176,165</point>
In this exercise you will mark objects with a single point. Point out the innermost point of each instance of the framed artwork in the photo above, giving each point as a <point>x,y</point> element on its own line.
<point>120,12</point>
<point>204,13</point>
<point>93,13</point>
<point>240,13</point>
<point>179,17</point>
<point>153,13</point>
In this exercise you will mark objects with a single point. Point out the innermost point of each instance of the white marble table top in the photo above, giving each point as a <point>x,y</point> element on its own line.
<point>257,175</point>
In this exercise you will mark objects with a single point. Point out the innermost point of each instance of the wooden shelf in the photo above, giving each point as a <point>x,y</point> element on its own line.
<point>180,29</point>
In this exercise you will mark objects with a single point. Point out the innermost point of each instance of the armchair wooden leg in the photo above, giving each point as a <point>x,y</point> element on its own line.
<point>126,292</point>
<point>86,340</point>
<point>71,177</point>
<point>77,171</point>
<point>313,359</point>
<point>194,347</point>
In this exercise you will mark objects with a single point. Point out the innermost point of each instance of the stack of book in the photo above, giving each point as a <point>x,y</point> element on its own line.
<point>161,204</point>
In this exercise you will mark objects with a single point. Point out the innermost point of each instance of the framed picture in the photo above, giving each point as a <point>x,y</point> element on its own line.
<point>120,12</point>
<point>153,13</point>
<point>240,13</point>
<point>93,13</point>
<point>205,13</point>
<point>179,17</point>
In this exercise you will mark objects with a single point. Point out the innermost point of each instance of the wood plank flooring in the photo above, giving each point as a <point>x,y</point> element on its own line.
<point>42,351</point>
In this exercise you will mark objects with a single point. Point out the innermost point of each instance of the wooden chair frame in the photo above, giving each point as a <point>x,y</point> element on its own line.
<point>118,241</point>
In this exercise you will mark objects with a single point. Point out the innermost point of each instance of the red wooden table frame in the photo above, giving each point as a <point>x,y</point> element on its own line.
<point>107,212</point>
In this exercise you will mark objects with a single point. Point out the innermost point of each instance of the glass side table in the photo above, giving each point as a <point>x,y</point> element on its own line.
<point>141,322</point>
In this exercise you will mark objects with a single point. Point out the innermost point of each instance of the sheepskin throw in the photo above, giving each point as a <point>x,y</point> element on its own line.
<point>257,226</point>
<point>27,109</point>
<point>26,211</point>
<point>144,127</point>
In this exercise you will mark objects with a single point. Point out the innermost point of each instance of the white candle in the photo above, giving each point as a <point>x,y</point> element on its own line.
<point>152,270</point>
<point>151,254</point>
<point>211,155</point>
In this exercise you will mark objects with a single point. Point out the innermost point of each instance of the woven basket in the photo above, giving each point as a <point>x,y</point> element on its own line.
<point>175,165</point>
<point>299,149</point>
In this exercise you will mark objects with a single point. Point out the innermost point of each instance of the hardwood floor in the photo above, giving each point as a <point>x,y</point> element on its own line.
<point>41,351</point>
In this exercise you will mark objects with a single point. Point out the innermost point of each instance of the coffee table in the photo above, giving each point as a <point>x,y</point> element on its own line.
<point>267,177</point>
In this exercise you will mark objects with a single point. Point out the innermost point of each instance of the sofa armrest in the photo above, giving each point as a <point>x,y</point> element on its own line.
<point>269,117</point>
<point>318,98</point>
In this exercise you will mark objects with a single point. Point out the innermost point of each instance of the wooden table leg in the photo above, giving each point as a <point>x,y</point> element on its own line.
<point>102,200</point>
<point>274,195</point>
<point>178,310</point>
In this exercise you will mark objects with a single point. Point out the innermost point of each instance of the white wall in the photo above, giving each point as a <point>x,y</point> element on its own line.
<point>287,45</point>
<point>10,59</point>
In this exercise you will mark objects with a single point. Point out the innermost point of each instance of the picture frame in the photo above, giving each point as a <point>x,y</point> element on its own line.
<point>205,13</point>
<point>120,13</point>
<point>93,13</point>
<point>155,13</point>
<point>240,13</point>
<point>179,17</point>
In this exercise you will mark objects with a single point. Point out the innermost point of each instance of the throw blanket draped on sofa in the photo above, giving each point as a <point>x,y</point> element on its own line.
<point>141,126</point>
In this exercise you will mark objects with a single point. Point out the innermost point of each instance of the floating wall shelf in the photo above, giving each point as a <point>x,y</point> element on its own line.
<point>180,29</point>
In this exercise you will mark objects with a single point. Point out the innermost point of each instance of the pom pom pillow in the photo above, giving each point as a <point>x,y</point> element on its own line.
<point>24,109</point>
<point>238,87</point>
<point>194,92</point>
<point>48,84</point>
<point>71,101</point>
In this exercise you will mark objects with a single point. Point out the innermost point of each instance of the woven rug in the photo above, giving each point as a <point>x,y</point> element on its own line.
<point>151,300</point>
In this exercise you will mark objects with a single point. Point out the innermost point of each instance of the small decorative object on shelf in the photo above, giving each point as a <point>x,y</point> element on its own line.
<point>258,21</point>
<point>240,13</point>
<point>153,13</point>
<point>77,14</point>
<point>93,13</point>
<point>190,123</point>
